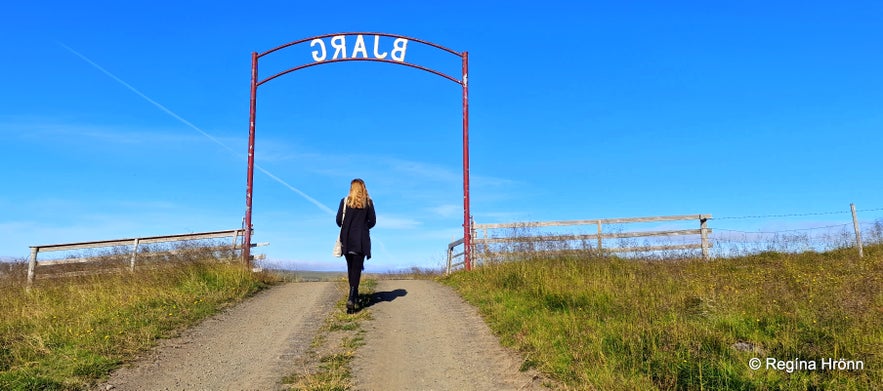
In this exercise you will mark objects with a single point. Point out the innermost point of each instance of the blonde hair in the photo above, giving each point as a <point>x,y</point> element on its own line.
<point>358,197</point>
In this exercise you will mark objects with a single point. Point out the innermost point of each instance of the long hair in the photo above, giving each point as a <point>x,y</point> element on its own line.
<point>358,197</point>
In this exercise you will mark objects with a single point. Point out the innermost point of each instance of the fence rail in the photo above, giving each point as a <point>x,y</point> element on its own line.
<point>703,231</point>
<point>134,243</point>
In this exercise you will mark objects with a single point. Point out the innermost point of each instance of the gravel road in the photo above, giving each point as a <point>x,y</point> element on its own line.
<point>423,336</point>
<point>248,347</point>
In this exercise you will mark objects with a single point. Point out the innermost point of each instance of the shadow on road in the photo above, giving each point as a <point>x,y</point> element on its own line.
<point>379,297</point>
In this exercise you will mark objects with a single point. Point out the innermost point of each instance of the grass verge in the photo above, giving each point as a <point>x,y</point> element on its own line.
<point>326,367</point>
<point>68,334</point>
<point>613,324</point>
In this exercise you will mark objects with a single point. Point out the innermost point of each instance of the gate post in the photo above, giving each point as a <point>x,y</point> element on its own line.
<point>249,188</point>
<point>467,216</point>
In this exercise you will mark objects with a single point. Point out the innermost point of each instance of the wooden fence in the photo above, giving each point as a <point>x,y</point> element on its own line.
<point>34,263</point>
<point>484,242</point>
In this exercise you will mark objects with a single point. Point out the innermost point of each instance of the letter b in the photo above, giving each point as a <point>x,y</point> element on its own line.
<point>399,46</point>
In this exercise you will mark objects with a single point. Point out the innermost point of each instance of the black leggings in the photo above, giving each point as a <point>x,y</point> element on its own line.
<point>354,265</point>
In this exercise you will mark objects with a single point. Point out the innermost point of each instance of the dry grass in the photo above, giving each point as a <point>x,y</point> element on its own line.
<point>68,333</point>
<point>609,323</point>
<point>326,367</point>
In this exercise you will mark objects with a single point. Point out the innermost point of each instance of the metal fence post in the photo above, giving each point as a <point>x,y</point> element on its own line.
<point>858,232</point>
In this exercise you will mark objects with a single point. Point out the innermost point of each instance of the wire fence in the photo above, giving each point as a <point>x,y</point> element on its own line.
<point>727,236</point>
<point>119,255</point>
<point>796,232</point>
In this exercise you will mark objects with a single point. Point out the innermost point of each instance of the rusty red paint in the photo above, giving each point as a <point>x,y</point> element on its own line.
<point>249,189</point>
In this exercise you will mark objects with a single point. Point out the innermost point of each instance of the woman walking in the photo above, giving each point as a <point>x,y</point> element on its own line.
<point>355,217</point>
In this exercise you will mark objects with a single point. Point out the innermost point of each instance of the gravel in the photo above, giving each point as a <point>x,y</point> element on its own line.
<point>421,336</point>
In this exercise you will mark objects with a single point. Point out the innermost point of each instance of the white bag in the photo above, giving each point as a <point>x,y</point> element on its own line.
<point>338,248</point>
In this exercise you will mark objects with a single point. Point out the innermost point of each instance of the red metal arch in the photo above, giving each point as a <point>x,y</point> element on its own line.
<point>463,82</point>
<point>297,68</point>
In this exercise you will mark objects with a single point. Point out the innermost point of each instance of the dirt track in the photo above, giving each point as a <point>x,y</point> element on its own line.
<point>422,337</point>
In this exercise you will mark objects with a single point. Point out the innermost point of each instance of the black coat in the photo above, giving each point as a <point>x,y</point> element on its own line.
<point>354,231</point>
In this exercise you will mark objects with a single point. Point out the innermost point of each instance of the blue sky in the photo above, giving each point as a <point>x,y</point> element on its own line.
<point>577,111</point>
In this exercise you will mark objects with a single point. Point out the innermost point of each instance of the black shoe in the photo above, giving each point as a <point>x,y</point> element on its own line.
<point>352,304</point>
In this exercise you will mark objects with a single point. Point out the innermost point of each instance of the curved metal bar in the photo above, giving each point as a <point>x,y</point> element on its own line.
<point>451,78</point>
<point>360,33</point>
<point>464,56</point>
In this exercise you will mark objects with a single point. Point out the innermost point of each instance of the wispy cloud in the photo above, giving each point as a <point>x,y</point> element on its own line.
<point>215,140</point>
<point>447,210</point>
<point>394,222</point>
<point>52,130</point>
<point>426,171</point>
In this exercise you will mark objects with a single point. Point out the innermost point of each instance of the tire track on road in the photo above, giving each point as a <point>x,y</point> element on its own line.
<point>248,347</point>
<point>425,337</point>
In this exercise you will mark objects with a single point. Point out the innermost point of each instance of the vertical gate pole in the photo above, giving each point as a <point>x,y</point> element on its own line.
<point>467,217</point>
<point>246,242</point>
<point>858,232</point>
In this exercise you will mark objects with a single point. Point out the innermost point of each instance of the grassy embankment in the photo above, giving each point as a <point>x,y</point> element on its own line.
<point>606,323</point>
<point>66,334</point>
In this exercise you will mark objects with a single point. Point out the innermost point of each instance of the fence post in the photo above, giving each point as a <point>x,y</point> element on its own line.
<point>471,244</point>
<point>233,245</point>
<point>599,236</point>
<point>703,233</point>
<point>132,260</point>
<point>858,232</point>
<point>450,256</point>
<point>485,247</point>
<point>32,265</point>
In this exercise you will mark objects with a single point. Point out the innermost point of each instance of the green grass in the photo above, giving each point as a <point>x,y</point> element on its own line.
<point>68,334</point>
<point>326,367</point>
<point>607,323</point>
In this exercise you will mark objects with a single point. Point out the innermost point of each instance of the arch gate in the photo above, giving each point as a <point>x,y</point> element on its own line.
<point>337,49</point>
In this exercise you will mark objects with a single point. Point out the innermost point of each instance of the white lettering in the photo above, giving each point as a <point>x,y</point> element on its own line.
<point>399,46</point>
<point>338,42</point>
<point>842,364</point>
<point>360,47</point>
<point>792,365</point>
<point>317,57</point>
<point>377,54</point>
